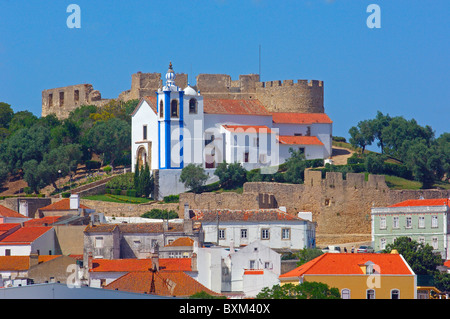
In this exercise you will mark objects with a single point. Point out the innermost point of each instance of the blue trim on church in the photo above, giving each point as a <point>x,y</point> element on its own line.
<point>168,161</point>
<point>181,104</point>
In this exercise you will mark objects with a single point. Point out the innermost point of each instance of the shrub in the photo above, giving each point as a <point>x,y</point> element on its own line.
<point>172,199</point>
<point>90,165</point>
<point>65,195</point>
<point>107,169</point>
<point>131,193</point>
<point>117,191</point>
<point>156,213</point>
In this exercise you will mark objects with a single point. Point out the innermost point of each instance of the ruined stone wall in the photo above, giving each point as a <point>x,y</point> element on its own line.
<point>61,101</point>
<point>340,207</point>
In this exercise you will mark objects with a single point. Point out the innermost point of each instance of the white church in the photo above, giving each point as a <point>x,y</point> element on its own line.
<point>178,127</point>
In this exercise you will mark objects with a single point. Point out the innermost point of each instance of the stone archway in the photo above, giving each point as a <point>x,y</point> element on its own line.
<point>142,157</point>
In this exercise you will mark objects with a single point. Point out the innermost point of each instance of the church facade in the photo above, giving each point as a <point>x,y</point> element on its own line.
<point>179,126</point>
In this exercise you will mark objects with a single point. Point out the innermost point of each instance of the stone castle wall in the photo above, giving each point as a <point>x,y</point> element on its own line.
<point>277,96</point>
<point>340,207</point>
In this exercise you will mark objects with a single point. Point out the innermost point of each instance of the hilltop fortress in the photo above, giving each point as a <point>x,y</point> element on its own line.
<point>301,96</point>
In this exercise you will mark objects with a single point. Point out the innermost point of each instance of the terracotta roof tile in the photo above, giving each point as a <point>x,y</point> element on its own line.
<point>127,265</point>
<point>18,263</point>
<point>102,228</point>
<point>423,202</point>
<point>182,241</point>
<point>299,140</point>
<point>165,283</point>
<point>6,212</point>
<point>25,235</point>
<point>237,107</point>
<point>243,215</point>
<point>63,204</point>
<point>300,118</point>
<point>349,264</point>
<point>42,221</point>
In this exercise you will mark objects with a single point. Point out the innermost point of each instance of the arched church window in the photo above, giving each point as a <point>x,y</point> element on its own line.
<point>161,108</point>
<point>174,108</point>
<point>193,106</point>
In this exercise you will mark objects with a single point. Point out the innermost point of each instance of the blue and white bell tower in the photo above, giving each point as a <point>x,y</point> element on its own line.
<point>170,123</point>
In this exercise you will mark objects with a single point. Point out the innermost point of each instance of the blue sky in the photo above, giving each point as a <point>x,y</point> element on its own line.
<point>401,68</point>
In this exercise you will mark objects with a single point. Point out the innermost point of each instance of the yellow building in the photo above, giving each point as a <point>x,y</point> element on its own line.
<point>359,276</point>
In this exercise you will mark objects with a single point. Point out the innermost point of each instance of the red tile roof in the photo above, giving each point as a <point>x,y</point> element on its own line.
<point>63,204</point>
<point>24,235</point>
<point>42,221</point>
<point>165,283</point>
<point>6,212</point>
<point>253,272</point>
<point>182,241</point>
<point>243,215</point>
<point>127,265</point>
<point>18,263</point>
<point>248,129</point>
<point>299,140</point>
<point>236,107</point>
<point>423,202</point>
<point>301,118</point>
<point>349,264</point>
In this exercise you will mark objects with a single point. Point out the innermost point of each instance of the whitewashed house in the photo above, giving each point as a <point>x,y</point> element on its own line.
<point>179,127</point>
<point>273,227</point>
<point>24,241</point>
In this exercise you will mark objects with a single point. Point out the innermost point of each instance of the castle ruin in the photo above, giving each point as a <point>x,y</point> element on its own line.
<point>300,96</point>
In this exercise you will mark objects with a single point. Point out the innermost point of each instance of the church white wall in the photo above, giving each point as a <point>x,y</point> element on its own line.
<point>324,133</point>
<point>311,151</point>
<point>144,116</point>
<point>215,120</point>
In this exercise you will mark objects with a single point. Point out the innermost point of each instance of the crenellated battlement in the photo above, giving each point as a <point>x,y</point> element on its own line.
<point>290,83</point>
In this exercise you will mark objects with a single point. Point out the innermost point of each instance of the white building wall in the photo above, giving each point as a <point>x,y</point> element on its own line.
<point>209,266</point>
<point>300,236</point>
<point>311,151</point>
<point>45,244</point>
<point>96,277</point>
<point>253,284</point>
<point>144,116</point>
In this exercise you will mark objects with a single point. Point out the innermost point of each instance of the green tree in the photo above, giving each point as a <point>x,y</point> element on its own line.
<point>362,135</point>
<point>109,139</point>
<point>295,167</point>
<point>420,257</point>
<point>3,173</point>
<point>6,114</point>
<point>21,120</point>
<point>145,187</point>
<point>305,290</point>
<point>231,175</point>
<point>307,254</point>
<point>193,177</point>
<point>156,213</point>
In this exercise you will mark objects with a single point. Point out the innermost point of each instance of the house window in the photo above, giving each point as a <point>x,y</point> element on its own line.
<point>382,222</point>
<point>76,95</point>
<point>170,241</point>
<point>61,98</point>
<point>252,264</point>
<point>383,243</point>
<point>265,233</point>
<point>395,222</point>
<point>175,254</point>
<point>246,155</point>
<point>98,242</point>
<point>301,150</point>
<point>7,252</point>
<point>244,233</point>
<point>174,108</point>
<point>285,233</point>
<point>434,243</point>
<point>370,294</point>
<point>144,132</point>
<point>345,293</point>
<point>434,222</point>
<point>395,294</point>
<point>267,265</point>
<point>161,109</point>
<point>408,222</point>
<point>421,221</point>
<point>192,106</point>
<point>154,242</point>
<point>50,99</point>
<point>222,233</point>
<point>421,240</point>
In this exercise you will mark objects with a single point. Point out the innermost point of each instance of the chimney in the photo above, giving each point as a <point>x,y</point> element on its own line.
<point>90,260</point>
<point>34,259</point>
<point>23,208</point>
<point>194,262</point>
<point>186,211</point>
<point>74,201</point>
<point>155,258</point>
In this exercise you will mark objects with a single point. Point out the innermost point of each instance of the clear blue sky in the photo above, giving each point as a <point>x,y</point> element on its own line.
<point>401,68</point>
